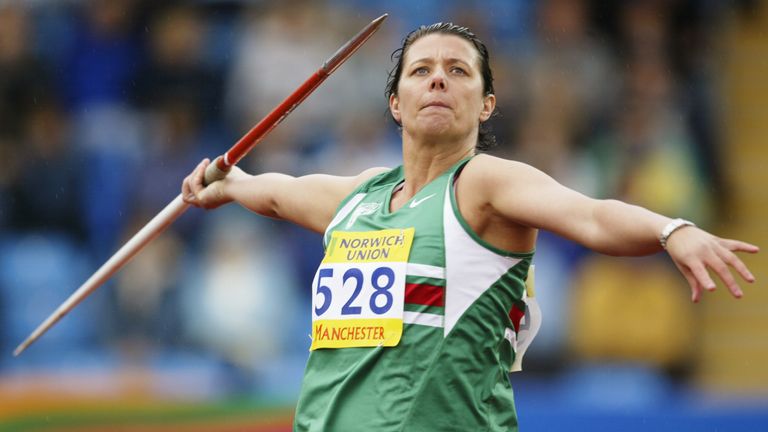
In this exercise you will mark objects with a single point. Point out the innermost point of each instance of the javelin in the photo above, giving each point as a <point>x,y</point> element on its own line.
<point>215,171</point>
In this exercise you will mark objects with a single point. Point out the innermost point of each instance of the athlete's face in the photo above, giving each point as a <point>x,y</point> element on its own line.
<point>441,89</point>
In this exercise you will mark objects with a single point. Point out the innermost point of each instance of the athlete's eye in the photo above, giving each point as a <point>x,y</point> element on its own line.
<point>421,70</point>
<point>458,71</point>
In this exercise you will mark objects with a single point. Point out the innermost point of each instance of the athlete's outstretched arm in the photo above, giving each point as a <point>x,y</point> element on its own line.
<point>309,201</point>
<point>529,197</point>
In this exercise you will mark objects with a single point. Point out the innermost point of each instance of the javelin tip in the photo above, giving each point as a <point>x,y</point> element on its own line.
<point>20,349</point>
<point>377,22</point>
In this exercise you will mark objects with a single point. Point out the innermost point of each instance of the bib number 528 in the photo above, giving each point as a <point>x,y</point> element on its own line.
<point>374,287</point>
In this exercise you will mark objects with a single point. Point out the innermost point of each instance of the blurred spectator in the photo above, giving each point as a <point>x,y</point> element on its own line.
<point>24,78</point>
<point>9,167</point>
<point>146,315</point>
<point>237,300</point>
<point>105,55</point>
<point>176,73</point>
<point>45,194</point>
<point>647,159</point>
<point>697,27</point>
<point>361,141</point>
<point>631,313</point>
<point>278,50</point>
<point>38,270</point>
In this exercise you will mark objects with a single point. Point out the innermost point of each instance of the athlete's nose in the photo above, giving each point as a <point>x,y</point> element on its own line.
<point>438,81</point>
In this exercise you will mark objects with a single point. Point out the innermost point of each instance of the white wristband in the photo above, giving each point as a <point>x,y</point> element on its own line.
<point>672,227</point>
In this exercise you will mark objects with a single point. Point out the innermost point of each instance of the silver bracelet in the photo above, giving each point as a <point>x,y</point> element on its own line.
<point>671,227</point>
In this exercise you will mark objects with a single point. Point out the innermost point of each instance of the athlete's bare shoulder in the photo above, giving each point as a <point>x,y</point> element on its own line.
<point>487,171</point>
<point>486,190</point>
<point>368,174</point>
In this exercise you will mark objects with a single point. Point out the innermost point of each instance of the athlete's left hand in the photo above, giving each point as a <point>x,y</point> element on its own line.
<point>695,252</point>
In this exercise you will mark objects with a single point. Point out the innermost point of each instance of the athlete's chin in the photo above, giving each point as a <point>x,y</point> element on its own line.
<point>437,127</point>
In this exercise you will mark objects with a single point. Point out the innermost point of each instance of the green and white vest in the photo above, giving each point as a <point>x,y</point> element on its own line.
<point>459,314</point>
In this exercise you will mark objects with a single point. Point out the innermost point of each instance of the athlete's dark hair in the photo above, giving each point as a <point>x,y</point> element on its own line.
<point>485,138</point>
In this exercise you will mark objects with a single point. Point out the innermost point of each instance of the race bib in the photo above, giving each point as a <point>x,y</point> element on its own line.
<point>359,290</point>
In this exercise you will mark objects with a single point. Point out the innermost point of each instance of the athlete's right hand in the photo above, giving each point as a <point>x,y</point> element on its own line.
<point>194,192</point>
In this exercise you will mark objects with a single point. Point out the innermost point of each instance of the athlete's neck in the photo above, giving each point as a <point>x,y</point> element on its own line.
<point>424,162</point>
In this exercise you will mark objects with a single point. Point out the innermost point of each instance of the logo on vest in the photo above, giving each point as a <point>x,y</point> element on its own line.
<point>414,203</point>
<point>362,210</point>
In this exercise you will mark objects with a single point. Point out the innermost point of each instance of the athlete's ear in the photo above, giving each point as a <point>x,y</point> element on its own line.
<point>489,104</point>
<point>394,108</point>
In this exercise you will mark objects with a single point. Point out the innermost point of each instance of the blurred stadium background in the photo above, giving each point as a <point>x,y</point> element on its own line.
<point>106,105</point>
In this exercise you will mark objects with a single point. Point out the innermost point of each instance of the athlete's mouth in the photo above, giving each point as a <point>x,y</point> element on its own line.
<point>436,104</point>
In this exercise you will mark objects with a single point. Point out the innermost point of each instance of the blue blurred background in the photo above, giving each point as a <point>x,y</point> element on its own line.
<point>106,105</point>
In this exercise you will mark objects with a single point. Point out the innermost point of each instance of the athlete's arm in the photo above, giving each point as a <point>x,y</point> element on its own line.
<point>524,195</point>
<point>309,201</point>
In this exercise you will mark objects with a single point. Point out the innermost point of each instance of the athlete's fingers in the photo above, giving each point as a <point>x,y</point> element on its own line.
<point>734,261</point>
<point>739,246</point>
<point>198,176</point>
<point>188,188</point>
<point>186,193</point>
<point>723,271</point>
<point>699,271</point>
<point>696,288</point>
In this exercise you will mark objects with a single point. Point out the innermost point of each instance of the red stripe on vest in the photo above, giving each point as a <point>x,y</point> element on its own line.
<point>516,315</point>
<point>421,294</point>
